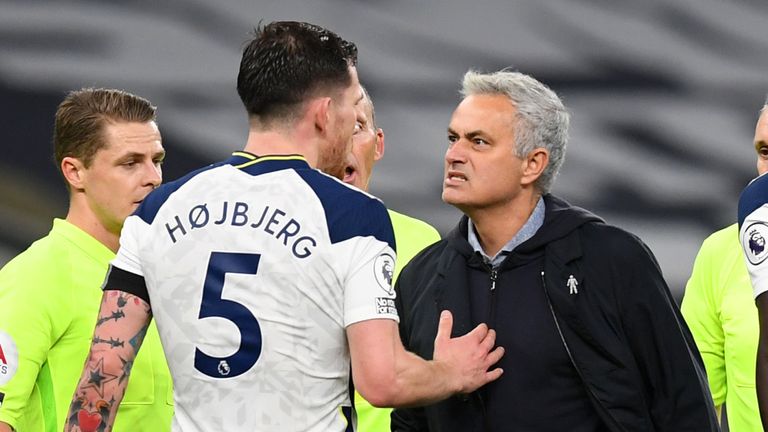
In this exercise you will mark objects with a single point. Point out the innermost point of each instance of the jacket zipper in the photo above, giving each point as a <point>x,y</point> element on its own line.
<point>494,274</point>
<point>492,303</point>
<point>616,425</point>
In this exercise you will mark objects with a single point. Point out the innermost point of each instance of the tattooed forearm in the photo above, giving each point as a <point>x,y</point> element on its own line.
<point>112,342</point>
<point>138,338</point>
<point>127,366</point>
<point>88,418</point>
<point>116,315</point>
<point>123,317</point>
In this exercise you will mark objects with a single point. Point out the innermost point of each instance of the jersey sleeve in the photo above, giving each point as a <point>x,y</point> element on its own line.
<point>30,322</point>
<point>368,292</point>
<point>753,232</point>
<point>128,255</point>
<point>368,289</point>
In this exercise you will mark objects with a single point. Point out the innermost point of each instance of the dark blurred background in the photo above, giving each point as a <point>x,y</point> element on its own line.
<point>664,95</point>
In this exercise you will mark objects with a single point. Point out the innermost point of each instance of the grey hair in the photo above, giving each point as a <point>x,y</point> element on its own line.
<point>765,105</point>
<point>367,96</point>
<point>542,120</point>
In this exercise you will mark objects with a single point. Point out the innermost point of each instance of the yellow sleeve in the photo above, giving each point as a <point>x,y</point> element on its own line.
<point>701,310</point>
<point>27,333</point>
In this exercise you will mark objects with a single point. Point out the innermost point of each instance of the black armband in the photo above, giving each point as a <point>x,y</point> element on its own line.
<point>121,280</point>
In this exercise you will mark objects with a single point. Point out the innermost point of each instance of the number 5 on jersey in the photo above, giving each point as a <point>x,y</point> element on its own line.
<point>219,264</point>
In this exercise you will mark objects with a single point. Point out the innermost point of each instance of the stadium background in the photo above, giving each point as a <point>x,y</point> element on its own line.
<point>664,95</point>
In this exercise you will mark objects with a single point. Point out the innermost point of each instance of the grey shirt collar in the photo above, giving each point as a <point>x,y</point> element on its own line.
<point>534,222</point>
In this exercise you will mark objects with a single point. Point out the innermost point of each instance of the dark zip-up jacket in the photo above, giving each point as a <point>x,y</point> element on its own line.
<point>618,323</point>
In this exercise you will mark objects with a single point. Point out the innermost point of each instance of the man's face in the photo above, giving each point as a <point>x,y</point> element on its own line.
<point>367,147</point>
<point>333,156</point>
<point>123,172</point>
<point>481,169</point>
<point>761,142</point>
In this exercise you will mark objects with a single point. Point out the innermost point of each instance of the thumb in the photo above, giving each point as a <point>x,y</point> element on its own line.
<point>445,325</point>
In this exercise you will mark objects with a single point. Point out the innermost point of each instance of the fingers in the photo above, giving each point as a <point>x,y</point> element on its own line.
<point>493,375</point>
<point>489,340</point>
<point>445,326</point>
<point>494,356</point>
<point>478,333</point>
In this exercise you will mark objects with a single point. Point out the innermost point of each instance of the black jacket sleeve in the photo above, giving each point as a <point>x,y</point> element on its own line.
<point>670,366</point>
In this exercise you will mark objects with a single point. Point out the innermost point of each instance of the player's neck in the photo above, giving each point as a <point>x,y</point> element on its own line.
<point>81,216</point>
<point>275,142</point>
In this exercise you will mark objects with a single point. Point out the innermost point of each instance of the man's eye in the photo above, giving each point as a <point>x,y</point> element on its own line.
<point>358,127</point>
<point>480,141</point>
<point>763,151</point>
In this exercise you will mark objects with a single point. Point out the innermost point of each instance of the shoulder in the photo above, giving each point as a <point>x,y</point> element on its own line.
<point>330,191</point>
<point>723,242</point>
<point>37,263</point>
<point>411,226</point>
<point>349,212</point>
<point>410,223</point>
<point>610,238</point>
<point>155,200</point>
<point>616,247</point>
<point>425,263</point>
<point>753,197</point>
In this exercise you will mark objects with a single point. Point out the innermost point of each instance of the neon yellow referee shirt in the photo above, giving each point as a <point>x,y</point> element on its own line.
<point>719,308</point>
<point>49,298</point>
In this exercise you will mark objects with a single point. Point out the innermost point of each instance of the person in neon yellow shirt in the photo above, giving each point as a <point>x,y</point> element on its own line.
<point>411,234</point>
<point>109,151</point>
<point>719,308</point>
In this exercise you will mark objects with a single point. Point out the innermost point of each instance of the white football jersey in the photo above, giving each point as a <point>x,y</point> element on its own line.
<point>254,268</point>
<point>753,232</point>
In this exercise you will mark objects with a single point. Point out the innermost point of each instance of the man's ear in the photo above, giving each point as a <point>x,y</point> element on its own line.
<point>320,112</point>
<point>379,151</point>
<point>533,165</point>
<point>73,170</point>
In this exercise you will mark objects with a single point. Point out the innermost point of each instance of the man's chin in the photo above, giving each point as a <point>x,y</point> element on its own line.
<point>452,198</point>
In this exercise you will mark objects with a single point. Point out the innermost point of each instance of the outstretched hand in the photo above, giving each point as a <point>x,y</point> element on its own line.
<point>467,358</point>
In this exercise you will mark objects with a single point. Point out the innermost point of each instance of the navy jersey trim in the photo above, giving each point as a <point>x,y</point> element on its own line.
<point>754,196</point>
<point>256,165</point>
<point>121,280</point>
<point>152,203</point>
<point>242,160</point>
<point>349,212</point>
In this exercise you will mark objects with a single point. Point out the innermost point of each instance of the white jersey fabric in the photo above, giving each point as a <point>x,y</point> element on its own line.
<point>254,268</point>
<point>753,232</point>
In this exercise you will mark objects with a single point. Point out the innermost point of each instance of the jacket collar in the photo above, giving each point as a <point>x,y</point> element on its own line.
<point>452,264</point>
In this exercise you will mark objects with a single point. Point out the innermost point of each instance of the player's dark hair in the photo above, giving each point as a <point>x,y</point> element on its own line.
<point>287,62</point>
<point>83,115</point>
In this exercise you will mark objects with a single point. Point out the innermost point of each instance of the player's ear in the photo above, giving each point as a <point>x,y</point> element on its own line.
<point>320,112</point>
<point>534,164</point>
<point>73,171</point>
<point>379,150</point>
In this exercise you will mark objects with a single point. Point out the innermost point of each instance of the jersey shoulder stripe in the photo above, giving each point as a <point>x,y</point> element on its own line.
<point>155,200</point>
<point>754,196</point>
<point>349,212</point>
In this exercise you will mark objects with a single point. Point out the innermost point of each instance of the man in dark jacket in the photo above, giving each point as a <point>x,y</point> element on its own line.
<point>594,341</point>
